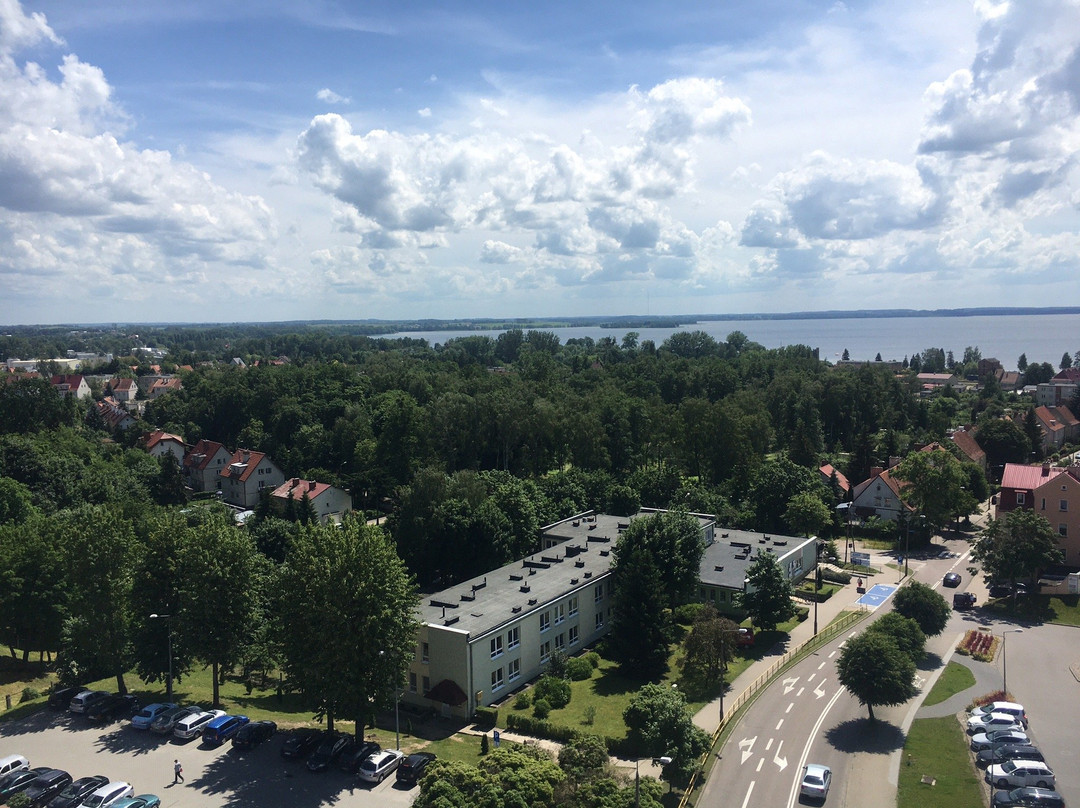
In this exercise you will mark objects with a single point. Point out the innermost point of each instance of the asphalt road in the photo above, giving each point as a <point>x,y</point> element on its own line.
<point>214,777</point>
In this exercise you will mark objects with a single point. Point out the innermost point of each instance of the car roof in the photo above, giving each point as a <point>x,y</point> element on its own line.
<point>816,768</point>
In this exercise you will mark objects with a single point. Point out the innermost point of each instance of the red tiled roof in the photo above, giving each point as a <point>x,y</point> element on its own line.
<point>202,453</point>
<point>1068,374</point>
<point>157,436</point>
<point>967,444</point>
<point>298,488</point>
<point>828,471</point>
<point>242,464</point>
<point>1027,478</point>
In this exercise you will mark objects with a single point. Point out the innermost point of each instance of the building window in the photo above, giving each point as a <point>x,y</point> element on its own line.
<point>1063,530</point>
<point>599,620</point>
<point>1064,505</point>
<point>560,642</point>
<point>496,646</point>
<point>425,652</point>
<point>598,593</point>
<point>545,651</point>
<point>545,621</point>
<point>1019,497</point>
<point>513,638</point>
<point>427,684</point>
<point>513,669</point>
<point>573,606</point>
<point>1043,505</point>
<point>496,679</point>
<point>560,610</point>
<point>412,682</point>
<point>573,636</point>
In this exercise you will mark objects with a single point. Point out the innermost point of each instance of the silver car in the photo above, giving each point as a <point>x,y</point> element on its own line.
<point>192,726</point>
<point>1016,773</point>
<point>815,782</point>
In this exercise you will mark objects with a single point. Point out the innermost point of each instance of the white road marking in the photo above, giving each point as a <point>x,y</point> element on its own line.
<point>779,725</point>
<point>806,749</point>
<point>779,761</point>
<point>819,691</point>
<point>789,684</point>
<point>768,744</point>
<point>799,692</point>
<point>746,746</point>
<point>749,791</point>
<point>790,705</point>
<point>760,763</point>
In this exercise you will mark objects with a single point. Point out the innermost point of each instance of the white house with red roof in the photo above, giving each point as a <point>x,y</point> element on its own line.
<point>71,385</point>
<point>203,464</point>
<point>123,390</point>
<point>879,496</point>
<point>162,386</point>
<point>1059,426</point>
<point>827,471</point>
<point>113,416</point>
<point>246,474</point>
<point>160,444</point>
<point>330,503</point>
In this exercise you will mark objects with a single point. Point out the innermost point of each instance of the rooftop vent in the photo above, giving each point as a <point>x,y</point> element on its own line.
<point>588,575</point>
<point>718,568</point>
<point>467,596</point>
<point>579,563</point>
<point>724,535</point>
<point>605,552</point>
<point>592,527</point>
<point>524,587</point>
<point>573,581</point>
<point>516,577</point>
<point>451,620</point>
<point>577,522</point>
<point>532,601</point>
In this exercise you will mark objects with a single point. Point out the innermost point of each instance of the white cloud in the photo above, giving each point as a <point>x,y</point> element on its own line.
<point>330,97</point>
<point>424,112</point>
<point>20,30</point>
<point>499,252</point>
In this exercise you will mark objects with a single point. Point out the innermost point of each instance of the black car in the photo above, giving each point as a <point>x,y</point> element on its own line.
<point>350,761</point>
<point>14,782</point>
<point>78,790</point>
<point>115,706</point>
<point>1008,751</point>
<point>300,743</point>
<point>47,786</point>
<point>1028,797</point>
<point>330,748</point>
<point>951,579</point>
<point>60,698</point>
<point>253,734</point>
<point>413,767</point>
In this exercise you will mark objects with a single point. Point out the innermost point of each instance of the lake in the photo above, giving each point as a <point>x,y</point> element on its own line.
<point>1042,337</point>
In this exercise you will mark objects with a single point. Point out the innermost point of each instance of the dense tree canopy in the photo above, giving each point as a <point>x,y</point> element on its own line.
<point>1017,547</point>
<point>923,605</point>
<point>767,598</point>
<point>876,671</point>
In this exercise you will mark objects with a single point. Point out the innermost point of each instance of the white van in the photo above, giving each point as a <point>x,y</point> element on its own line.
<point>13,763</point>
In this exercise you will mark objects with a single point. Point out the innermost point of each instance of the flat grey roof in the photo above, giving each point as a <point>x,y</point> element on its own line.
<point>726,560</point>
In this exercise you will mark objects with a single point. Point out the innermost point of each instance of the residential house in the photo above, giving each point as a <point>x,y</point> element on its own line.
<point>245,475</point>
<point>1018,484</point>
<point>879,496</point>
<point>330,503</point>
<point>1051,491</point>
<point>827,471</point>
<point>160,444</point>
<point>1060,389</point>
<point>168,384</point>
<point>123,390</point>
<point>71,385</point>
<point>966,442</point>
<point>932,381</point>
<point>1010,380</point>
<point>722,575</point>
<point>203,464</point>
<point>113,415</point>
<point>1059,426</point>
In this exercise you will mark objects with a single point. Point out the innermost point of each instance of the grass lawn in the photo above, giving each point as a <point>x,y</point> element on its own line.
<point>937,748</point>
<point>1061,609</point>
<point>956,678</point>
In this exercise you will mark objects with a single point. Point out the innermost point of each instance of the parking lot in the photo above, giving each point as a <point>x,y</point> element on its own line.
<point>214,777</point>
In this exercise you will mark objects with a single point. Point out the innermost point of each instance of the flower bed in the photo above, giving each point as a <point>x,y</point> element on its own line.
<point>980,645</point>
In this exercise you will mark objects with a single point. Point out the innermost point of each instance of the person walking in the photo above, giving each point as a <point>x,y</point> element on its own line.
<point>178,772</point>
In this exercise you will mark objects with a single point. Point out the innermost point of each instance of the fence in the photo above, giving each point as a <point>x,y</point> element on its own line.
<point>763,681</point>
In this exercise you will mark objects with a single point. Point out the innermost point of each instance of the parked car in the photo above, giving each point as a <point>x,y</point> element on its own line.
<point>82,701</point>
<point>989,721</point>
<point>300,742</point>
<point>47,786</point>
<point>141,801</point>
<point>1003,589</point>
<point>61,697</point>
<point>14,782</point>
<point>999,753</point>
<point>1016,773</point>
<point>73,795</point>
<point>962,601</point>
<point>167,721</point>
<point>145,717</point>
<point>223,728</point>
<point>815,783</point>
<point>379,766</point>
<point>253,734</point>
<point>745,636</point>
<point>982,740</point>
<point>350,761</point>
<point>951,579</point>
<point>413,767</point>
<point>192,726</point>
<point>1028,797</point>
<point>108,795</point>
<point>1007,707</point>
<point>115,706</point>
<point>330,748</point>
<point>13,763</point>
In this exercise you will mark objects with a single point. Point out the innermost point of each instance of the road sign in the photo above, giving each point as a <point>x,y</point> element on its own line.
<point>860,559</point>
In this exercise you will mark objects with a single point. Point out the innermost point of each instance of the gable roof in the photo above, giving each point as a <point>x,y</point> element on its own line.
<point>828,470</point>
<point>152,439</point>
<point>1028,478</point>
<point>965,441</point>
<point>242,464</point>
<point>896,486</point>
<point>125,384</point>
<point>297,488</point>
<point>1068,375</point>
<point>1053,419</point>
<point>202,453</point>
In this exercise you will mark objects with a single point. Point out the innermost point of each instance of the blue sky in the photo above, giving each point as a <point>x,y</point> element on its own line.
<point>238,161</point>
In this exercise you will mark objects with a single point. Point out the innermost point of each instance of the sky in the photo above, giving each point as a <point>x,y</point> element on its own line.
<point>264,160</point>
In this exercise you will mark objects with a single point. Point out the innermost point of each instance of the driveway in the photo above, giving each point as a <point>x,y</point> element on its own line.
<point>214,778</point>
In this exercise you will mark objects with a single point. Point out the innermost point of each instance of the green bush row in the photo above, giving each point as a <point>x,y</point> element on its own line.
<point>540,728</point>
<point>486,717</point>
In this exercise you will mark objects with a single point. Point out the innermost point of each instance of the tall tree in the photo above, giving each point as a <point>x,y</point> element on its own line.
<point>346,622</point>
<point>639,622</point>
<point>33,587</point>
<point>938,486</point>
<point>904,631</point>
<point>659,725</point>
<point>923,605</point>
<point>709,646</point>
<point>674,540</point>
<point>1019,545</point>
<point>807,515</point>
<point>768,592</point>
<point>874,669</point>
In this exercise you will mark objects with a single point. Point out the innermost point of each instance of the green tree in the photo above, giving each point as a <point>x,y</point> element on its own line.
<point>1066,361</point>
<point>876,671</point>
<point>33,586</point>
<point>709,646</point>
<point>345,618</point>
<point>674,540</point>
<point>923,605</point>
<point>1018,546</point>
<point>767,597</point>
<point>659,725</point>
<point>639,621</point>
<point>16,502</point>
<point>904,631</point>
<point>938,486</point>
<point>524,776</point>
<point>1022,363</point>
<point>807,515</point>
<point>1004,441</point>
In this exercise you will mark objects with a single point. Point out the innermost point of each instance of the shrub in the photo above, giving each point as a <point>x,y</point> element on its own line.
<point>486,716</point>
<point>590,715</point>
<point>29,694</point>
<point>594,659</point>
<point>801,613</point>
<point>523,700</point>
<point>554,691</point>
<point>484,745</point>
<point>579,669</point>
<point>557,665</point>
<point>19,800</point>
<point>539,728</point>
<point>541,709</point>
<point>686,614</point>
<point>835,576</point>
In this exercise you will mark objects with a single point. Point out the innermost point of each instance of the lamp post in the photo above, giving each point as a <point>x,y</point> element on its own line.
<point>846,508</point>
<point>1004,669</point>
<point>397,724</point>
<point>168,630</point>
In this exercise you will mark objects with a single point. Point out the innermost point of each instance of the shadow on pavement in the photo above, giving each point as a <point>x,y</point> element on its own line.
<point>863,735</point>
<point>125,739</point>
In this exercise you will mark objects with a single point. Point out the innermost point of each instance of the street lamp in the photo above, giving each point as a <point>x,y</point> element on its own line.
<point>1004,669</point>
<point>397,725</point>
<point>168,630</point>
<point>846,508</point>
<point>660,761</point>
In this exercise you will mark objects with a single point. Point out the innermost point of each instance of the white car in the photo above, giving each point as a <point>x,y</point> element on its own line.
<point>991,721</point>
<point>13,763</point>
<point>984,740</point>
<point>108,794</point>
<point>192,726</point>
<point>379,766</point>
<point>1016,773</point>
<point>1007,707</point>
<point>816,780</point>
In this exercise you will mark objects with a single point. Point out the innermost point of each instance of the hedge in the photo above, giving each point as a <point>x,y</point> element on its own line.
<point>486,716</point>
